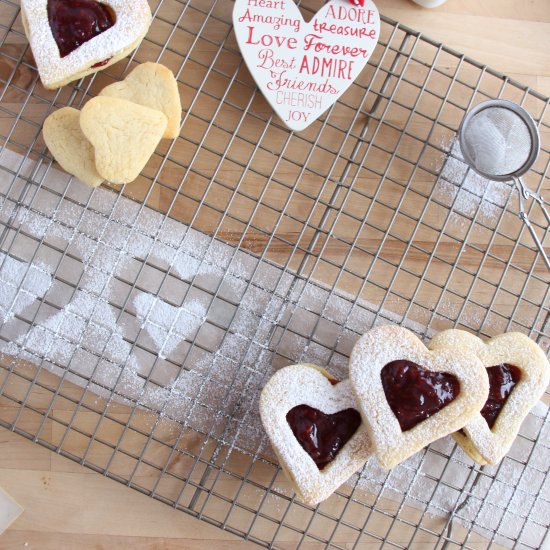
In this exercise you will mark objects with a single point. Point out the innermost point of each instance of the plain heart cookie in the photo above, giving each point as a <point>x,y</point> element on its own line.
<point>410,396</point>
<point>124,136</point>
<point>152,85</point>
<point>519,374</point>
<point>315,430</point>
<point>69,146</point>
<point>73,38</point>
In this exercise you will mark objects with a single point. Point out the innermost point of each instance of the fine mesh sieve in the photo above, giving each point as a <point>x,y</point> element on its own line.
<point>500,141</point>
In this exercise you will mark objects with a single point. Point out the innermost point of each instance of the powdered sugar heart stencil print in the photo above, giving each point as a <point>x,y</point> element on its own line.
<point>303,68</point>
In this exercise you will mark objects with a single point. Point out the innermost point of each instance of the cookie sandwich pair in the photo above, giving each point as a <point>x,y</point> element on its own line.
<point>401,396</point>
<point>116,133</point>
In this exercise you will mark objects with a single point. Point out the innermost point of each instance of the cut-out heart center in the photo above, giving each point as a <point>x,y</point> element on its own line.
<point>502,379</point>
<point>74,22</point>
<point>322,435</point>
<point>414,393</point>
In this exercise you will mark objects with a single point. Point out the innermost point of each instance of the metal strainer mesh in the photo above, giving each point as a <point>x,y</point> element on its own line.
<point>498,141</point>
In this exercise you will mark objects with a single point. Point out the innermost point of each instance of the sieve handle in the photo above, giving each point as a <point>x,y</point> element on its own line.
<point>526,193</point>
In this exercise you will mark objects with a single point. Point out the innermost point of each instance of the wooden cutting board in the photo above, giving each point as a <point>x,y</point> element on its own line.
<point>68,506</point>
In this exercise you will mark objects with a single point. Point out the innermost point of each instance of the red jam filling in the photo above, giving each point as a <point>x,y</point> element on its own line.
<point>101,63</point>
<point>414,393</point>
<point>322,435</point>
<point>502,379</point>
<point>74,22</point>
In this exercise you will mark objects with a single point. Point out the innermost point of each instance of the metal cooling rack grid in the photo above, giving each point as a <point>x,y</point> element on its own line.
<point>284,198</point>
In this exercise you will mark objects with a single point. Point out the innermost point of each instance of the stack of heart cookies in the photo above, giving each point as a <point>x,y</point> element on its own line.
<point>115,134</point>
<point>400,397</point>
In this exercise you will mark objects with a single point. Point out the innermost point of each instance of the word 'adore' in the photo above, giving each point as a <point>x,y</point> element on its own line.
<point>303,68</point>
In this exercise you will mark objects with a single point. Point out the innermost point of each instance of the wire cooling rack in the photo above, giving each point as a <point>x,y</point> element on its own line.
<point>138,327</point>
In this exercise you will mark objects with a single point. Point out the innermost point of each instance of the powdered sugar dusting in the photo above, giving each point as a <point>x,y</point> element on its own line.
<point>468,193</point>
<point>88,322</point>
<point>509,498</point>
<point>491,444</point>
<point>20,285</point>
<point>166,324</point>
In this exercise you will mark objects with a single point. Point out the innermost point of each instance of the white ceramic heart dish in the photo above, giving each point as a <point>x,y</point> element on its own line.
<point>303,68</point>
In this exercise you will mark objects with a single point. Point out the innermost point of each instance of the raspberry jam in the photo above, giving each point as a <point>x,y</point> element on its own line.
<point>101,63</point>
<point>502,379</point>
<point>414,394</point>
<point>322,435</point>
<point>74,22</point>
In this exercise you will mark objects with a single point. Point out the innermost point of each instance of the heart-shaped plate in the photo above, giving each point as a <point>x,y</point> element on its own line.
<point>441,390</point>
<point>519,373</point>
<point>304,385</point>
<point>132,20</point>
<point>303,68</point>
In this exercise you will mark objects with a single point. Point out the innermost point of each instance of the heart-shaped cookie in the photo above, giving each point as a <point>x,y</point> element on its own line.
<point>519,373</point>
<point>69,146</point>
<point>410,396</point>
<point>315,429</point>
<point>73,38</point>
<point>152,85</point>
<point>303,68</point>
<point>124,136</point>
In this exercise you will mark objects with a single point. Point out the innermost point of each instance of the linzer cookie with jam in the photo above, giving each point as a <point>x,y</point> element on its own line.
<point>518,372</point>
<point>315,429</point>
<point>73,38</point>
<point>410,396</point>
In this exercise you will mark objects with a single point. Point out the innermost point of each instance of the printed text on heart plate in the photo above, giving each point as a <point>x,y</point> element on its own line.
<point>319,57</point>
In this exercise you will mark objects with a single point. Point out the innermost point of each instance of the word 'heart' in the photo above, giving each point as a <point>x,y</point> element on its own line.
<point>303,68</point>
<point>74,22</point>
<point>414,393</point>
<point>322,435</point>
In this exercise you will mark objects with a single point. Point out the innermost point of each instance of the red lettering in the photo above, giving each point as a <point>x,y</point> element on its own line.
<point>268,40</point>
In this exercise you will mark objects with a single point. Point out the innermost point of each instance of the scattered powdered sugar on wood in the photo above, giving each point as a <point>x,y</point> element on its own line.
<point>468,193</point>
<point>20,285</point>
<point>511,498</point>
<point>168,325</point>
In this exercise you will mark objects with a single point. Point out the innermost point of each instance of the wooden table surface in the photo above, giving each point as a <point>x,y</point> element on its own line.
<point>68,506</point>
